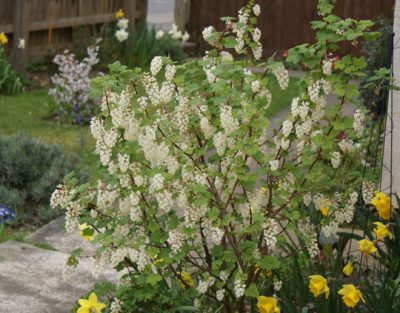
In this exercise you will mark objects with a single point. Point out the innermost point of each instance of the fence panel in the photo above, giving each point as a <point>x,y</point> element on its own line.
<point>50,23</point>
<point>284,23</point>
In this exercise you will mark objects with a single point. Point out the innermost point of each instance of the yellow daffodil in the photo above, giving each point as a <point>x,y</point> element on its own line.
<point>119,14</point>
<point>381,231</point>
<point>267,305</point>
<point>90,305</point>
<point>324,210</point>
<point>3,39</point>
<point>82,228</point>
<point>185,280</point>
<point>318,285</point>
<point>382,203</point>
<point>348,269</point>
<point>367,247</point>
<point>350,295</point>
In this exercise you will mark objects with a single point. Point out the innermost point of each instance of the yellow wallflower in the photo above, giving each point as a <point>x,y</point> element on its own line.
<point>324,210</point>
<point>267,305</point>
<point>381,231</point>
<point>367,247</point>
<point>318,285</point>
<point>348,269</point>
<point>351,295</point>
<point>119,14</point>
<point>382,203</point>
<point>185,277</point>
<point>90,305</point>
<point>3,39</point>
<point>82,227</point>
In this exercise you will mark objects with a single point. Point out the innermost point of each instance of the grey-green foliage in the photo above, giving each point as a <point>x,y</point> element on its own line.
<point>29,172</point>
<point>10,82</point>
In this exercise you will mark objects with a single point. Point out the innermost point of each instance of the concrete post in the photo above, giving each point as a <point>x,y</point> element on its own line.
<point>391,159</point>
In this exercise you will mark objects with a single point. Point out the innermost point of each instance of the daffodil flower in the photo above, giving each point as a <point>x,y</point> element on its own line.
<point>90,305</point>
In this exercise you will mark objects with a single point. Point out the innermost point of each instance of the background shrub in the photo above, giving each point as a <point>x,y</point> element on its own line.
<point>29,172</point>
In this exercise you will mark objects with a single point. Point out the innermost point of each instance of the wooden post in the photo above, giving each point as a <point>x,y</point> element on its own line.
<point>20,31</point>
<point>131,8</point>
<point>182,10</point>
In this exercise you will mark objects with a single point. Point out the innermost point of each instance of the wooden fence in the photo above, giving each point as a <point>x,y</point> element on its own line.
<point>284,23</point>
<point>48,24</point>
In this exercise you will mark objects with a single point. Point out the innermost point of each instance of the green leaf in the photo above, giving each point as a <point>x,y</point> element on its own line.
<point>269,263</point>
<point>153,279</point>
<point>229,42</point>
<point>252,291</point>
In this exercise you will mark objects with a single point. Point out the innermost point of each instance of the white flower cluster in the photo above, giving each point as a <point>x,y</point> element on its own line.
<point>116,306</point>
<point>368,190</point>
<point>270,233</point>
<point>204,285</point>
<point>256,9</point>
<point>72,82</point>
<point>282,76</point>
<point>239,288</point>
<point>228,122</point>
<point>327,66</point>
<point>175,240</point>
<point>310,236</point>
<point>336,158</point>
<point>358,123</point>
<point>346,213</point>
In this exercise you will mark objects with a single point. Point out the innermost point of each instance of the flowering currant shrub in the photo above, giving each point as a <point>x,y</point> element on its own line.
<point>198,193</point>
<point>72,85</point>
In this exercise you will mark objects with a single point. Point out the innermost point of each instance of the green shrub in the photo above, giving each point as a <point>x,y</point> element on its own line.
<point>10,83</point>
<point>378,55</point>
<point>29,172</point>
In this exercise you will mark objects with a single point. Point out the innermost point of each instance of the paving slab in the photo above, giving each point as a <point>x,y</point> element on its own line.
<point>31,280</point>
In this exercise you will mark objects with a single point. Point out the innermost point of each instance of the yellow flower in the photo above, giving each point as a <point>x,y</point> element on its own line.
<point>90,305</point>
<point>3,39</point>
<point>119,14</point>
<point>267,305</point>
<point>381,231</point>
<point>348,269</point>
<point>83,227</point>
<point>324,210</point>
<point>382,203</point>
<point>318,285</point>
<point>351,295</point>
<point>367,247</point>
<point>185,280</point>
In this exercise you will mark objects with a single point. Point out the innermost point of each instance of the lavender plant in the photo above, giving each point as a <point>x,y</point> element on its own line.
<point>197,194</point>
<point>72,86</point>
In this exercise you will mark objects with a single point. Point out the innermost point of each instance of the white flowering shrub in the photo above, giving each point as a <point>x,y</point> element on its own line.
<point>197,192</point>
<point>72,86</point>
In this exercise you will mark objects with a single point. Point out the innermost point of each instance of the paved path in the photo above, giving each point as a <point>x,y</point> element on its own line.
<point>31,278</point>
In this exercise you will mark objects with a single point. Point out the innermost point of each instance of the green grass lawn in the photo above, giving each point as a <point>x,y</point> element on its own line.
<point>27,113</point>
